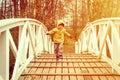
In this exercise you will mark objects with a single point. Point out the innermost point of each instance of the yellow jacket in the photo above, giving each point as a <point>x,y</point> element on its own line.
<point>58,34</point>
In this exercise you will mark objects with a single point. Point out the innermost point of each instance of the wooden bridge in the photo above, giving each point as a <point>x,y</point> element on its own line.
<point>96,55</point>
<point>83,66</point>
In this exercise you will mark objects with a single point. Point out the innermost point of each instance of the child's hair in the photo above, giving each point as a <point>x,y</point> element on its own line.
<point>62,24</point>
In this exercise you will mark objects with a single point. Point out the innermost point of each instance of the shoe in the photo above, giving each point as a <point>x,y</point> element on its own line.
<point>60,56</point>
<point>57,58</point>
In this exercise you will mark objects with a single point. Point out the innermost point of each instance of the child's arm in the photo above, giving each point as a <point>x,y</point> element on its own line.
<point>47,33</point>
<point>69,35</point>
<point>51,32</point>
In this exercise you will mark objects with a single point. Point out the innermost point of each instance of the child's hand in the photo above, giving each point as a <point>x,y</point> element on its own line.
<point>47,33</point>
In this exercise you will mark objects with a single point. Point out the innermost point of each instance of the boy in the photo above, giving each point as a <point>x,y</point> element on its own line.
<point>58,38</point>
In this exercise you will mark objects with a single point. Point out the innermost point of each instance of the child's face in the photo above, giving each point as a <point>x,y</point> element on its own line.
<point>60,26</point>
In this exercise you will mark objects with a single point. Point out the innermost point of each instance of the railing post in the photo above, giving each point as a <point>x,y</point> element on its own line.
<point>46,44</point>
<point>52,47</point>
<point>76,48</point>
<point>79,45</point>
<point>4,55</point>
<point>103,42</point>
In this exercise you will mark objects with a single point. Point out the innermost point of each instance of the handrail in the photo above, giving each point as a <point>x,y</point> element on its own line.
<point>32,40</point>
<point>102,37</point>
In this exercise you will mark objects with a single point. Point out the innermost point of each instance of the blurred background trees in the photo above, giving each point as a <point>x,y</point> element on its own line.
<point>75,13</point>
<point>103,9</point>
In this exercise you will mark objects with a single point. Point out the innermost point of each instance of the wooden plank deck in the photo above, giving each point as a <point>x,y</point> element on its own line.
<point>71,67</point>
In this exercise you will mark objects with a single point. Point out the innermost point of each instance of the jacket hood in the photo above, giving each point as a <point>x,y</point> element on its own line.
<point>60,22</point>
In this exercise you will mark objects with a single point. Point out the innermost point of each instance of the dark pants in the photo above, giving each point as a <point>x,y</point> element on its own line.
<point>58,47</point>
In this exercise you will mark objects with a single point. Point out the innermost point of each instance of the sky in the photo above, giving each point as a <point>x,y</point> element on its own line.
<point>0,1</point>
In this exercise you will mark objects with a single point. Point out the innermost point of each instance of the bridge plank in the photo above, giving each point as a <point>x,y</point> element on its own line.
<point>40,71</point>
<point>34,76</point>
<point>58,77</point>
<point>103,78</point>
<point>79,67</point>
<point>43,78</point>
<point>65,78</point>
<point>58,70</point>
<point>76,65</point>
<point>48,70</point>
<point>65,70</point>
<point>27,71</point>
<point>91,70</point>
<point>21,78</point>
<point>117,77</point>
<point>110,77</point>
<point>105,64</point>
<point>77,70</point>
<point>52,71</point>
<point>32,70</point>
<point>72,71</point>
<point>84,70</point>
<point>93,65</point>
<point>109,70</point>
<point>104,70</point>
<point>51,77</point>
<point>97,70</point>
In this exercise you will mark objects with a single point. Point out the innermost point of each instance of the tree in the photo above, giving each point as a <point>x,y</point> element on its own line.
<point>104,9</point>
<point>45,11</point>
<point>23,5</point>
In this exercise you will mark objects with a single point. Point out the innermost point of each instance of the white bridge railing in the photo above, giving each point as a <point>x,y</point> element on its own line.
<point>32,40</point>
<point>102,37</point>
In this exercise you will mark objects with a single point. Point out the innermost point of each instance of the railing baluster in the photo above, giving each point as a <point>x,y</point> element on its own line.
<point>12,45</point>
<point>29,44</point>
<point>104,40</point>
<point>4,55</point>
